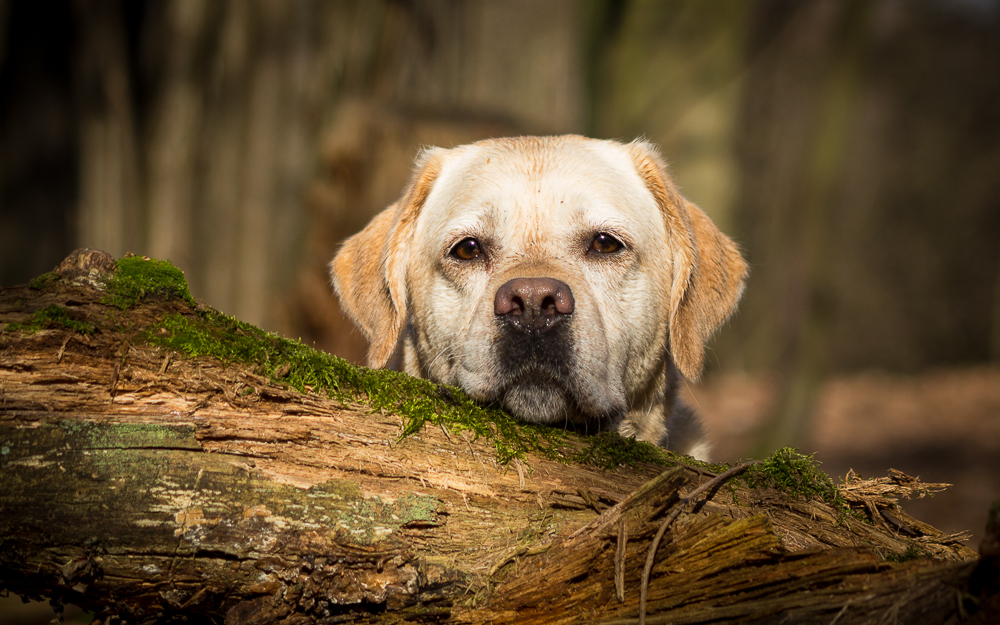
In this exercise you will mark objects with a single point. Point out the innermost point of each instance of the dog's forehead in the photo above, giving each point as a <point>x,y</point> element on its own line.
<point>557,184</point>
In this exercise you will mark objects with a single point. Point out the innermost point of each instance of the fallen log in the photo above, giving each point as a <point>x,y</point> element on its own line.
<point>160,461</point>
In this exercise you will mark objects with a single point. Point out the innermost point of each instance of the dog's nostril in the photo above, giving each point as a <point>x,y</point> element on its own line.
<point>549,306</point>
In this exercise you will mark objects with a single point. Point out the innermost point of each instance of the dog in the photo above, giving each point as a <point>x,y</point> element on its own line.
<point>564,278</point>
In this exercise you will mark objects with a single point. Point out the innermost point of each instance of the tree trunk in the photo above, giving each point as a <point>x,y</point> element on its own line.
<point>147,485</point>
<point>109,176</point>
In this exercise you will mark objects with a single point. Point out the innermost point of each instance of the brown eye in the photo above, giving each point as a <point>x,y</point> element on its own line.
<point>467,249</point>
<point>605,243</point>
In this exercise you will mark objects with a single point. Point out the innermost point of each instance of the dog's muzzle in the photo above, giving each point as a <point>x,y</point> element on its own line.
<point>537,378</point>
<point>535,350</point>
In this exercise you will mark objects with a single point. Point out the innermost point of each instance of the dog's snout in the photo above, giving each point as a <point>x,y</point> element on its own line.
<point>533,303</point>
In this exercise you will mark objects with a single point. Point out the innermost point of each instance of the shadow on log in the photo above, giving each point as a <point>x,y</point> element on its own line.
<point>160,461</point>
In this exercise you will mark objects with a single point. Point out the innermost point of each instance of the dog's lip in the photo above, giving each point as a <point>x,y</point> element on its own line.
<point>536,374</point>
<point>502,381</point>
<point>575,396</point>
<point>585,407</point>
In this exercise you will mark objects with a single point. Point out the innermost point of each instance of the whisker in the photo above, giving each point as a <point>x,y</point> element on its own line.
<point>448,350</point>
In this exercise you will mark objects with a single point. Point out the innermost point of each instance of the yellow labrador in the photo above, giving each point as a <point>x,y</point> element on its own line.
<point>562,277</point>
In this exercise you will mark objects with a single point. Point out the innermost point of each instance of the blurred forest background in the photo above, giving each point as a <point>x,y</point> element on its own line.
<point>851,147</point>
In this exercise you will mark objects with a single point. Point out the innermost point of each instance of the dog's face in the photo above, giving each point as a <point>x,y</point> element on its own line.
<point>560,276</point>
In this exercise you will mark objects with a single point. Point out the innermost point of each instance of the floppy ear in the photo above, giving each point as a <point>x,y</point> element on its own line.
<point>369,270</point>
<point>708,273</point>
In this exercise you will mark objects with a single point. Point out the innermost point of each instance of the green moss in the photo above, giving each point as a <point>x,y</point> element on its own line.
<point>796,474</point>
<point>132,435</point>
<point>608,450</point>
<point>43,281</point>
<point>49,317</point>
<point>367,521</point>
<point>136,279</point>
<point>913,552</point>
<point>419,402</point>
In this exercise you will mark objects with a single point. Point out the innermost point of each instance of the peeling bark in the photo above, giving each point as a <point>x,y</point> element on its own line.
<point>148,486</point>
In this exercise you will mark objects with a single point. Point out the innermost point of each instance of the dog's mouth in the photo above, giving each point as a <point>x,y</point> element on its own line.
<point>536,401</point>
<point>538,395</point>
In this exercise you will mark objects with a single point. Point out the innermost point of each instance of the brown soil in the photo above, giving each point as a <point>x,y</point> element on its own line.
<point>943,426</point>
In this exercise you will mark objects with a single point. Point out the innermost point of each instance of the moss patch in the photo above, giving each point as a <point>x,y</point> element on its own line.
<point>131,435</point>
<point>795,474</point>
<point>44,281</point>
<point>137,278</point>
<point>51,316</point>
<point>608,450</point>
<point>913,552</point>
<point>419,401</point>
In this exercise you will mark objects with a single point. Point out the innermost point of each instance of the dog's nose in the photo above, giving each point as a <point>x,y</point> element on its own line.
<point>533,303</point>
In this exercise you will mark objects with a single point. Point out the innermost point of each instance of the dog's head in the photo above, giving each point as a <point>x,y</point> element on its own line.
<point>560,276</point>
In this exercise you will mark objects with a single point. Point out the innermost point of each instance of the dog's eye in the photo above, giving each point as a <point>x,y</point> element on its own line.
<point>605,243</point>
<point>467,249</point>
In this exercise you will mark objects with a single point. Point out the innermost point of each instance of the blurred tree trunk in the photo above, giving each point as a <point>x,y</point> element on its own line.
<point>108,215</point>
<point>198,144</point>
<point>863,145</point>
<point>805,82</point>
<point>803,372</point>
<point>237,107</point>
<point>175,127</point>
<point>995,325</point>
<point>229,122</point>
<point>671,72</point>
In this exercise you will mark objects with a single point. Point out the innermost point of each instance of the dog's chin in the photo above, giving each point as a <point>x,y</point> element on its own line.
<point>536,403</point>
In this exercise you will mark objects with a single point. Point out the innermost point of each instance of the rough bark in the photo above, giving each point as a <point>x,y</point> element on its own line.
<point>149,486</point>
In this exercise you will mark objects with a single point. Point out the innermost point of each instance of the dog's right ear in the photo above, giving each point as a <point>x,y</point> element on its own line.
<point>708,271</point>
<point>369,270</point>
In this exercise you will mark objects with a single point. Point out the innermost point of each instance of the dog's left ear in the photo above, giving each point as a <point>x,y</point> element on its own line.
<point>708,273</point>
<point>369,270</point>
